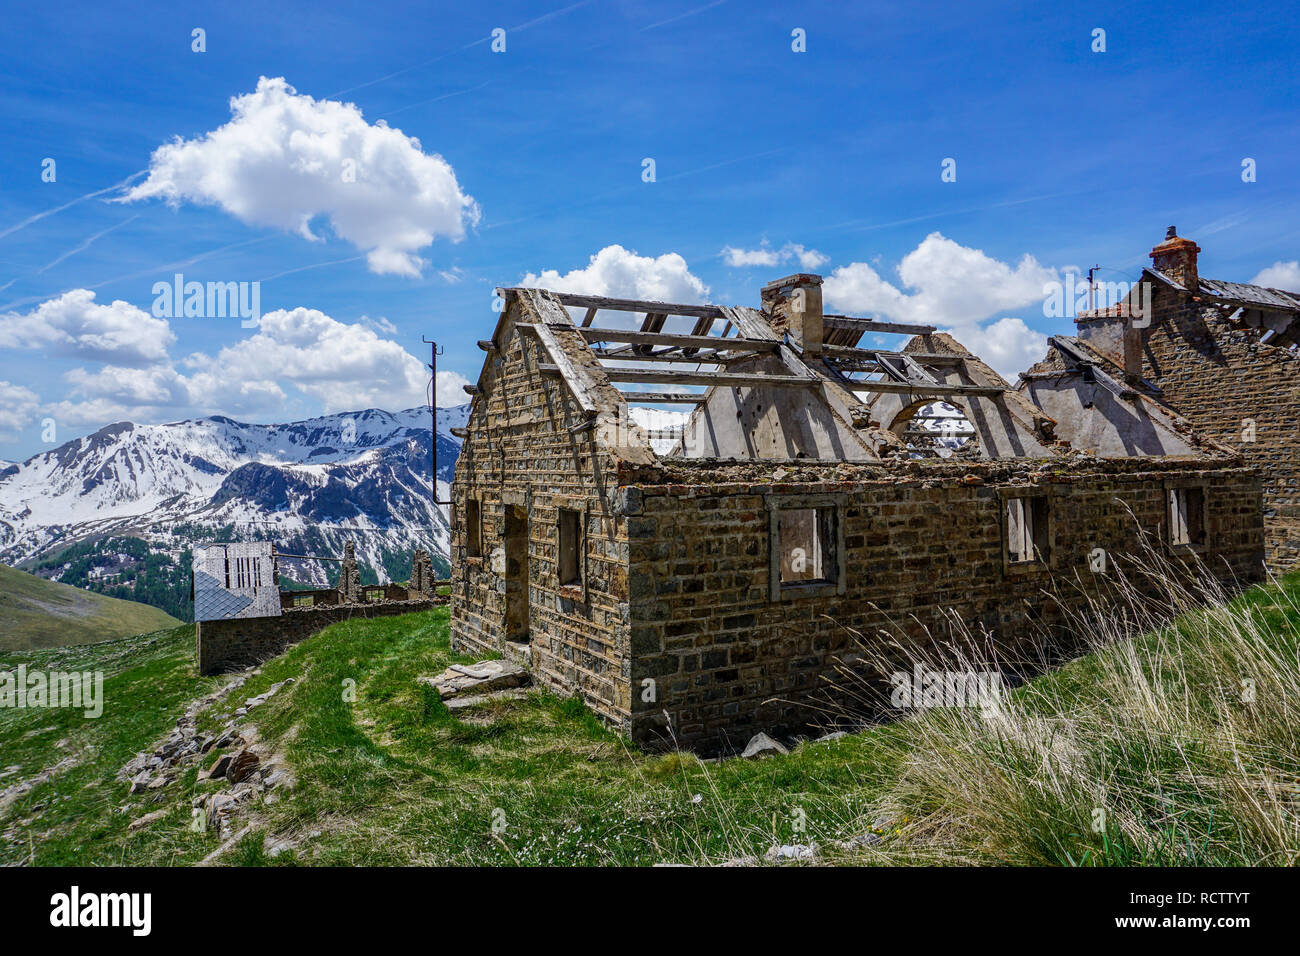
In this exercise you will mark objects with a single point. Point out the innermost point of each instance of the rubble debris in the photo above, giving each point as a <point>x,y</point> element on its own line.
<point>761,745</point>
<point>481,677</point>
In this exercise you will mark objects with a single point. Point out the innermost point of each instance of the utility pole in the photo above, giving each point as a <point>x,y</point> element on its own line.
<point>434,352</point>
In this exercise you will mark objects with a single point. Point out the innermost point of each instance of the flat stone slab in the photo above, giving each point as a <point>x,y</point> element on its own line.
<point>480,678</point>
<point>465,701</point>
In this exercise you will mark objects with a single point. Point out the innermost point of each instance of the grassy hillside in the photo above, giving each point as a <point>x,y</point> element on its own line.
<point>1156,733</point>
<point>36,613</point>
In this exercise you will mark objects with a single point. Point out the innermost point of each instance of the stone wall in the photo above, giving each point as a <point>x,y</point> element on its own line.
<point>726,659</point>
<point>247,641</point>
<point>520,463</point>
<point>1235,389</point>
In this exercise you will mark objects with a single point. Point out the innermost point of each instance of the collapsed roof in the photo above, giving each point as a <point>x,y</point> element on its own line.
<point>784,382</point>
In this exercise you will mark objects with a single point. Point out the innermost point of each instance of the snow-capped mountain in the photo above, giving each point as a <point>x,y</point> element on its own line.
<point>308,485</point>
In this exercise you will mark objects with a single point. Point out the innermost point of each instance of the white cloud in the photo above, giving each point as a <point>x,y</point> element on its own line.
<point>955,285</point>
<point>75,325</point>
<point>1280,275</point>
<point>614,271</point>
<point>451,389</point>
<point>18,407</point>
<point>769,258</point>
<point>344,366</point>
<point>293,354</point>
<point>1007,345</point>
<point>285,159</point>
<point>955,288</point>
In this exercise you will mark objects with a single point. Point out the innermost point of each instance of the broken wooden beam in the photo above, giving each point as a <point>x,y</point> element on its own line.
<point>702,327</point>
<point>663,398</point>
<point>487,345</point>
<point>678,341</point>
<point>634,305</point>
<point>654,376</point>
<point>574,376</point>
<point>874,325</point>
<point>923,388</point>
<point>871,355</point>
<point>706,358</point>
<point>470,389</point>
<point>653,324</point>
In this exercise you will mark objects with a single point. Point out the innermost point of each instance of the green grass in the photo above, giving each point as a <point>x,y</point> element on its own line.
<point>1152,731</point>
<point>36,613</point>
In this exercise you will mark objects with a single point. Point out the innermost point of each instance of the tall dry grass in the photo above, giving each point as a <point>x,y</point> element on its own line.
<point>1169,743</point>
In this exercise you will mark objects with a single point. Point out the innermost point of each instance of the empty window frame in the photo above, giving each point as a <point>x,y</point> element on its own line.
<point>569,563</point>
<point>806,537</point>
<point>807,545</point>
<point>1187,516</point>
<point>1027,530</point>
<point>473,529</point>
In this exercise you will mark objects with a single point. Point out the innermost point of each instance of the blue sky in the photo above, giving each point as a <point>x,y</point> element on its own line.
<point>1064,155</point>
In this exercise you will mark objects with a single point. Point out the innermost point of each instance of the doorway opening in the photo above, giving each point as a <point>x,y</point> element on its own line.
<point>516,554</point>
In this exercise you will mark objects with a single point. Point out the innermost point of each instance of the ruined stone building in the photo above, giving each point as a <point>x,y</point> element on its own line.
<point>697,584</point>
<point>1224,354</point>
<point>241,616</point>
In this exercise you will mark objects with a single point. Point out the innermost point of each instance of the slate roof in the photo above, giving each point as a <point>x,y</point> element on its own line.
<point>213,601</point>
<point>1240,293</point>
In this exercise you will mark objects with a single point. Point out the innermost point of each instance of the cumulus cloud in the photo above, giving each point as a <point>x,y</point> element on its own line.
<point>345,366</point>
<point>955,288</point>
<point>76,326</point>
<point>451,389</point>
<point>768,257</point>
<point>1007,345</point>
<point>1280,275</point>
<point>18,407</point>
<point>294,353</point>
<point>286,159</point>
<point>615,271</point>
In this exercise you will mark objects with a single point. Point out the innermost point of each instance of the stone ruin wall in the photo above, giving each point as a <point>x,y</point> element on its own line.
<point>727,660</point>
<point>243,642</point>
<point>1221,378</point>
<point>520,453</point>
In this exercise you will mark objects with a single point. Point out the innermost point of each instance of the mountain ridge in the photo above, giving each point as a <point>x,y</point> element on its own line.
<point>309,484</point>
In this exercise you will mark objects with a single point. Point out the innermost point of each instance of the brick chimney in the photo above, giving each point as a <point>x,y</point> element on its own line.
<point>794,305</point>
<point>1176,258</point>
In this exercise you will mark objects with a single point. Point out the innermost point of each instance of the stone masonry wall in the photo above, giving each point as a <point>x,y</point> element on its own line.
<point>247,641</point>
<point>727,660</point>
<point>1221,378</point>
<point>520,453</point>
